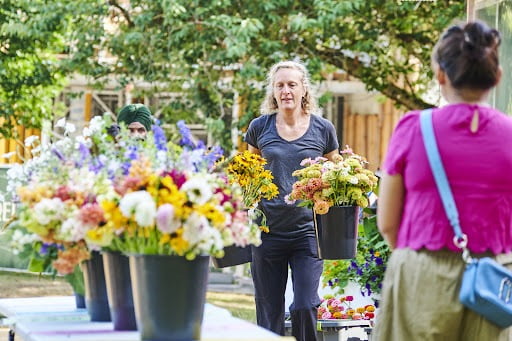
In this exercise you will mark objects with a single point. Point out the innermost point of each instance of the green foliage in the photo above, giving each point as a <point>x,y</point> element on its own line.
<point>368,268</point>
<point>209,50</point>
<point>29,73</point>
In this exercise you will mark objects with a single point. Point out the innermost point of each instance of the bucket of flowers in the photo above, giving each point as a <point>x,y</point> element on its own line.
<point>336,191</point>
<point>58,191</point>
<point>247,170</point>
<point>170,210</point>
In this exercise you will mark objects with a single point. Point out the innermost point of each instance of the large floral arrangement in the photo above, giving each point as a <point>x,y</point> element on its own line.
<point>247,170</point>
<point>58,191</point>
<point>168,200</point>
<point>323,183</point>
<point>146,196</point>
<point>368,267</point>
<point>334,308</point>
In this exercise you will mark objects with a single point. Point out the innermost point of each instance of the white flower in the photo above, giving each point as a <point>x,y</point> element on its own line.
<point>72,230</point>
<point>29,141</point>
<point>145,213</point>
<point>195,228</point>
<point>70,128</point>
<point>198,190</point>
<point>82,140</point>
<point>86,132</point>
<point>48,210</point>
<point>20,239</point>
<point>8,155</point>
<point>140,204</point>
<point>95,125</point>
<point>212,240</point>
<point>61,123</point>
<point>353,180</point>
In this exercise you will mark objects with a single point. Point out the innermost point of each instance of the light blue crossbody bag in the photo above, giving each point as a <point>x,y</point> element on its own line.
<point>486,285</point>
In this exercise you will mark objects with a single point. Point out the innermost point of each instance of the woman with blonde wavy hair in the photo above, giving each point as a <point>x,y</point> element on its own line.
<point>286,133</point>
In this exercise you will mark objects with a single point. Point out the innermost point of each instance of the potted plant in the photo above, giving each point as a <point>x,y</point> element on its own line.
<point>335,190</point>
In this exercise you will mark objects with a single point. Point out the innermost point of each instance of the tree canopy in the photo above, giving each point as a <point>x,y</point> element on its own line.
<point>210,50</point>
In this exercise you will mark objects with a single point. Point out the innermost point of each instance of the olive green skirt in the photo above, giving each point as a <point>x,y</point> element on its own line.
<point>420,301</point>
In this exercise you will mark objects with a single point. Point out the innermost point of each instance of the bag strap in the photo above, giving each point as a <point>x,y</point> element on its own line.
<point>436,165</point>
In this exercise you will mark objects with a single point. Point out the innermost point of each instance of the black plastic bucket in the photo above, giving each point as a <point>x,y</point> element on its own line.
<point>337,232</point>
<point>169,293</point>
<point>233,255</point>
<point>96,299</point>
<point>119,290</point>
<point>79,301</point>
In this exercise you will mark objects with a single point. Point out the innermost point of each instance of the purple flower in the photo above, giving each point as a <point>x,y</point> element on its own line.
<point>160,140</point>
<point>44,249</point>
<point>186,136</point>
<point>125,166</point>
<point>213,155</point>
<point>97,164</point>
<point>378,261</point>
<point>58,153</point>
<point>84,154</point>
<point>131,153</point>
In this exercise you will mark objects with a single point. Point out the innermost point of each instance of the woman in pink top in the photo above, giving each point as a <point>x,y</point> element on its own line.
<point>422,281</point>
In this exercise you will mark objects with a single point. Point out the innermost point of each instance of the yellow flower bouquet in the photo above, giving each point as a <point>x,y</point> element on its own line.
<point>322,183</point>
<point>247,170</point>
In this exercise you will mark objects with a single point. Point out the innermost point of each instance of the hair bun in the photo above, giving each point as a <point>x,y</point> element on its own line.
<point>479,40</point>
<point>468,54</point>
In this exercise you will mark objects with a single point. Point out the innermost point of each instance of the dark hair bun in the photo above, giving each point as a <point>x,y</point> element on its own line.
<point>468,54</point>
<point>479,40</point>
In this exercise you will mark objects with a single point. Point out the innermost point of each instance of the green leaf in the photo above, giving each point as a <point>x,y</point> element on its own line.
<point>36,265</point>
<point>76,280</point>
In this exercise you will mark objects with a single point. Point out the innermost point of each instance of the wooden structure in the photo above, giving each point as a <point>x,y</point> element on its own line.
<point>368,134</point>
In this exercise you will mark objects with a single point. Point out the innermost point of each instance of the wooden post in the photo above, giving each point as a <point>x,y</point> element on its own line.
<point>470,10</point>
<point>87,106</point>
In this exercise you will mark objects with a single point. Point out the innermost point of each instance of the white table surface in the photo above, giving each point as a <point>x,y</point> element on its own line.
<point>56,318</point>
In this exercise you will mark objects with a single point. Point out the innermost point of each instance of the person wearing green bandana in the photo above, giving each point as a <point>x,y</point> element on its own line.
<point>137,118</point>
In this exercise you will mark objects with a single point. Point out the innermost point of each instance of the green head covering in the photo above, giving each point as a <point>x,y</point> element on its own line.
<point>135,113</point>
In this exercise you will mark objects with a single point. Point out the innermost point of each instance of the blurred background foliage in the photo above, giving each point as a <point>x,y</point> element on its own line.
<point>210,50</point>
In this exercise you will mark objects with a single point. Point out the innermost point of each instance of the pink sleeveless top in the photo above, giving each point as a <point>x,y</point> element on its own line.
<point>479,170</point>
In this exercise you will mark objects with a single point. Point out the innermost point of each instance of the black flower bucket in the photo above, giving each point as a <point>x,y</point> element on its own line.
<point>336,232</point>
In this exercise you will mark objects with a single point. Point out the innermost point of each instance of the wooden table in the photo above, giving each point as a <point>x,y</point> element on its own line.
<point>56,318</point>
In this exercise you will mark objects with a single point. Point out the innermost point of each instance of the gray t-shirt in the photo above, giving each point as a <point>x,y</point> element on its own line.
<point>284,157</point>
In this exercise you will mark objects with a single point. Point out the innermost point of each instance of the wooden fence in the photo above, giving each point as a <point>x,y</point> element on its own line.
<point>368,134</point>
<point>16,146</point>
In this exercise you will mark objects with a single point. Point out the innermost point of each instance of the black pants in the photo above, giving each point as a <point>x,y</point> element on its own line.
<point>270,272</point>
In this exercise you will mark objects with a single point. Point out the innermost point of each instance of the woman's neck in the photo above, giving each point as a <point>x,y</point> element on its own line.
<point>454,96</point>
<point>291,117</point>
